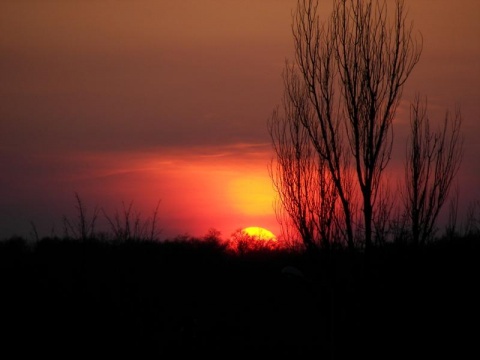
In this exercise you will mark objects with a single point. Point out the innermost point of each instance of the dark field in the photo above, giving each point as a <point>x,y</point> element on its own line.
<point>184,299</point>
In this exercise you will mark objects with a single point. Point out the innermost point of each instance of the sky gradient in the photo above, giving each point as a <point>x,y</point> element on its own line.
<point>147,101</point>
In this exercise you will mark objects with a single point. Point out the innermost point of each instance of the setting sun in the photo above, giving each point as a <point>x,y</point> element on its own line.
<point>259,233</point>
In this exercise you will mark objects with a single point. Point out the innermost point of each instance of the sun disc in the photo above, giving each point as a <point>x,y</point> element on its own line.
<point>259,233</point>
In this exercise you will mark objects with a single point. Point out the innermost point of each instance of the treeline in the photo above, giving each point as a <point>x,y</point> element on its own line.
<point>195,296</point>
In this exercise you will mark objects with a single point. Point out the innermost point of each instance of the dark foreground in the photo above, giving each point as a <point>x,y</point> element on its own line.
<point>183,300</point>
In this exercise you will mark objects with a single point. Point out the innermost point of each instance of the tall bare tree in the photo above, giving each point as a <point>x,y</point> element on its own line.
<point>306,196</point>
<point>315,61</point>
<point>433,160</point>
<point>354,67</point>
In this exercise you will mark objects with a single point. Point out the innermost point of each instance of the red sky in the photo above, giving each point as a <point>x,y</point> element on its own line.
<point>168,100</point>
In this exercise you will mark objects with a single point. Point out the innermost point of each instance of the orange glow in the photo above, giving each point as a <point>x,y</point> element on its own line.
<point>225,188</point>
<point>252,195</point>
<point>259,233</point>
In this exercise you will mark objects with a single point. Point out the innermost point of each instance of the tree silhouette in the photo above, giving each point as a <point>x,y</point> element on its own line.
<point>352,69</point>
<point>433,160</point>
<point>306,196</point>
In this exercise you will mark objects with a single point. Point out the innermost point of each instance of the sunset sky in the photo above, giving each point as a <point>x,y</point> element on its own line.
<point>146,101</point>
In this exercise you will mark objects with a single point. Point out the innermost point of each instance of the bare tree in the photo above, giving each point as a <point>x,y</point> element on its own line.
<point>375,58</point>
<point>353,68</point>
<point>84,227</point>
<point>306,196</point>
<point>315,60</point>
<point>383,217</point>
<point>433,160</point>
<point>451,227</point>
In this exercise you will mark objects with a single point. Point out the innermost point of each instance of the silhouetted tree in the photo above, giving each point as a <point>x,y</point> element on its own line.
<point>384,222</point>
<point>306,195</point>
<point>84,227</point>
<point>433,160</point>
<point>353,68</point>
<point>451,227</point>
